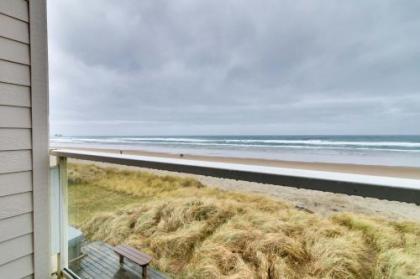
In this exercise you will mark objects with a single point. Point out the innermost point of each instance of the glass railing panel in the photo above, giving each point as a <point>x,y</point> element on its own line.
<point>194,225</point>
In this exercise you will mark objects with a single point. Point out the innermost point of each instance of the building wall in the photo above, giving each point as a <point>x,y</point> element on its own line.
<point>23,125</point>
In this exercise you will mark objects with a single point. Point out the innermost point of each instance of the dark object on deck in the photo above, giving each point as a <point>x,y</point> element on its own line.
<point>142,259</point>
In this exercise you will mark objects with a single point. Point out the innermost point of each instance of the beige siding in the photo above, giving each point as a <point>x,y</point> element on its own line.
<point>14,51</point>
<point>15,95</point>
<point>13,205</point>
<point>17,206</point>
<point>14,73</point>
<point>14,29</point>
<point>15,183</point>
<point>15,226</point>
<point>19,268</point>
<point>15,161</point>
<point>15,8</point>
<point>17,248</point>
<point>15,139</point>
<point>15,117</point>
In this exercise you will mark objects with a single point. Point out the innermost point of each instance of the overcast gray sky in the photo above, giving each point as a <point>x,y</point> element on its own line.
<point>156,67</point>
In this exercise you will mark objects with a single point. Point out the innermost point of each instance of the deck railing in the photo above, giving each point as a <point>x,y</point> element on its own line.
<point>389,188</point>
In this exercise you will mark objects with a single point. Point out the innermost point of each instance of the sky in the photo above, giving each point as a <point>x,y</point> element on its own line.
<point>216,67</point>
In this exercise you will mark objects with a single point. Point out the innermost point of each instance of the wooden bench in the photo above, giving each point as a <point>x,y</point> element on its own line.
<point>142,259</point>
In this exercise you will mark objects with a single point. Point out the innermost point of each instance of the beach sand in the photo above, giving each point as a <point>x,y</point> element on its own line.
<point>308,200</point>
<point>392,171</point>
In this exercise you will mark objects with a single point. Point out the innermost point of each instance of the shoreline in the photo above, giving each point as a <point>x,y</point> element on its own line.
<point>377,170</point>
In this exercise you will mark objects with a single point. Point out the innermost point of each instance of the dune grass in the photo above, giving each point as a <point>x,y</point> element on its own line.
<point>193,231</point>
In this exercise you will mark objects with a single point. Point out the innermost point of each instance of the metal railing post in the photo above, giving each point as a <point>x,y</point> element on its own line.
<point>63,208</point>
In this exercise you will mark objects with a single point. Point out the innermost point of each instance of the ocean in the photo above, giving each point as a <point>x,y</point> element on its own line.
<point>369,150</point>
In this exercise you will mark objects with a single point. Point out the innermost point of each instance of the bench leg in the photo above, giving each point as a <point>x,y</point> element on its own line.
<point>144,274</point>
<point>121,259</point>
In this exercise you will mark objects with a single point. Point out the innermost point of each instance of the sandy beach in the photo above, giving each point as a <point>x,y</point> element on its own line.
<point>392,171</point>
<point>309,200</point>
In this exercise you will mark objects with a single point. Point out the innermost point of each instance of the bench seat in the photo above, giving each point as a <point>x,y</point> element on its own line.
<point>137,257</point>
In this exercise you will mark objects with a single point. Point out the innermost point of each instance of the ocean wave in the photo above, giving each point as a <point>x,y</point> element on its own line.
<point>401,146</point>
<point>270,147</point>
<point>166,139</point>
<point>262,142</point>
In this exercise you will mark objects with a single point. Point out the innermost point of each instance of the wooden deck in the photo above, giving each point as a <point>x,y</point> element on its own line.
<point>101,262</point>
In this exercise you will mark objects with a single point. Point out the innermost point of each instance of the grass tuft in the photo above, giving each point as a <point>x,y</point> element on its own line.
<point>193,231</point>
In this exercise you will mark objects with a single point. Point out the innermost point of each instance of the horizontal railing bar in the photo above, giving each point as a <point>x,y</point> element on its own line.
<point>69,274</point>
<point>389,188</point>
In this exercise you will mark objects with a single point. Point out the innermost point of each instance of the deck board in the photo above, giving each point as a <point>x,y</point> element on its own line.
<point>101,262</point>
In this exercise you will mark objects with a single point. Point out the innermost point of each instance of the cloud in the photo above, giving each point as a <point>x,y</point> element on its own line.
<point>212,67</point>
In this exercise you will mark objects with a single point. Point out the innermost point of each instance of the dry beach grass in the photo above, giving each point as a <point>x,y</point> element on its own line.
<point>195,231</point>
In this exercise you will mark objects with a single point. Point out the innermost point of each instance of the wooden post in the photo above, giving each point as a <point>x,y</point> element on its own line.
<point>144,269</point>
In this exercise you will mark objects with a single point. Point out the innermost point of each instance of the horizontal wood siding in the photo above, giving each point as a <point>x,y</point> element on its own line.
<point>15,226</point>
<point>15,117</point>
<point>17,248</point>
<point>14,205</point>
<point>15,161</point>
<point>14,51</point>
<point>14,29</point>
<point>15,139</point>
<point>18,240</point>
<point>15,95</point>
<point>15,8</point>
<point>14,183</point>
<point>19,268</point>
<point>14,73</point>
